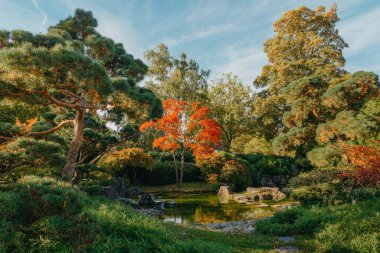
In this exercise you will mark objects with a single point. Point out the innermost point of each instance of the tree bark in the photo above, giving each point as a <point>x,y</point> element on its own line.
<point>176,170</point>
<point>72,155</point>
<point>181,171</point>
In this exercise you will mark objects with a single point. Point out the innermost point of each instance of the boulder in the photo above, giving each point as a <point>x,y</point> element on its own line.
<point>266,193</point>
<point>109,192</point>
<point>266,182</point>
<point>146,199</point>
<point>288,249</point>
<point>159,204</point>
<point>225,191</point>
<point>170,202</point>
<point>240,198</point>
<point>286,239</point>
<point>119,186</point>
<point>280,180</point>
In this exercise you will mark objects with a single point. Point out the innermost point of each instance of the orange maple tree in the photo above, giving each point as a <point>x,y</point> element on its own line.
<point>366,161</point>
<point>185,127</point>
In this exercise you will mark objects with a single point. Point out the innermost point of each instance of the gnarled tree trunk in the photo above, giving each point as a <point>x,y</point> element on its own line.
<point>72,155</point>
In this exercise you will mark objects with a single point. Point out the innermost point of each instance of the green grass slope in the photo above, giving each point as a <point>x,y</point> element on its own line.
<point>46,215</point>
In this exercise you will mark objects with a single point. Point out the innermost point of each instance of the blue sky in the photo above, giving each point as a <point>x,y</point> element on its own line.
<point>223,36</point>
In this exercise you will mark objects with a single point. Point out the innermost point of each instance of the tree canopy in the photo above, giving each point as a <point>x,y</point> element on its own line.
<point>175,78</point>
<point>231,103</point>
<point>307,43</point>
<point>71,68</point>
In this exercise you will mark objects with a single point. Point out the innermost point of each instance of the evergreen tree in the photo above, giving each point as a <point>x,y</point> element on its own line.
<point>306,44</point>
<point>72,68</point>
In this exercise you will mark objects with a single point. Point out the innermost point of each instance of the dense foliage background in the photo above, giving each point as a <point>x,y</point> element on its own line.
<point>72,109</point>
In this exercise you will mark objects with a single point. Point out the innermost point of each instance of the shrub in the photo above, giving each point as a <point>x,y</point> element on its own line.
<point>272,165</point>
<point>126,161</point>
<point>236,175</point>
<point>164,173</point>
<point>167,156</point>
<point>316,176</point>
<point>93,186</point>
<point>366,161</point>
<point>214,164</point>
<point>313,193</point>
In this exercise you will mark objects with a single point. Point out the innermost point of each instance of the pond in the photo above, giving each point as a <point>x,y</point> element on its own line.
<point>206,208</point>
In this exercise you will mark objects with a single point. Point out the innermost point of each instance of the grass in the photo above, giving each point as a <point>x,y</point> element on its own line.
<point>346,228</point>
<point>46,215</point>
<point>196,187</point>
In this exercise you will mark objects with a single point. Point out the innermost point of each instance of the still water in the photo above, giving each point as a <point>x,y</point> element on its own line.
<point>206,208</point>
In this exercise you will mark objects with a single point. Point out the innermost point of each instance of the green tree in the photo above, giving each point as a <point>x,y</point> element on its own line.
<point>231,104</point>
<point>324,118</point>
<point>175,78</point>
<point>306,44</point>
<point>249,144</point>
<point>72,68</point>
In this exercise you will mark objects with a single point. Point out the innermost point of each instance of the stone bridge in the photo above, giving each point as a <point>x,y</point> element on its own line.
<point>251,195</point>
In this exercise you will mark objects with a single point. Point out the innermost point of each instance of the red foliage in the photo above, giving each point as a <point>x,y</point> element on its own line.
<point>366,161</point>
<point>186,126</point>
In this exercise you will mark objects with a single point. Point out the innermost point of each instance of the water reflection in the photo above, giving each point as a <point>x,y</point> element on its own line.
<point>207,208</point>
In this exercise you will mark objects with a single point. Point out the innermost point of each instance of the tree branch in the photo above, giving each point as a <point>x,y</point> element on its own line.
<point>47,95</point>
<point>68,93</point>
<point>56,128</point>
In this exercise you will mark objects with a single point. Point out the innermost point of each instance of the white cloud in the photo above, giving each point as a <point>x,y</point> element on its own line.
<point>361,31</point>
<point>200,34</point>
<point>44,15</point>
<point>245,62</point>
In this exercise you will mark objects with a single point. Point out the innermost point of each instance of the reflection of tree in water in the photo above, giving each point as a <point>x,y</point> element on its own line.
<point>203,216</point>
<point>206,209</point>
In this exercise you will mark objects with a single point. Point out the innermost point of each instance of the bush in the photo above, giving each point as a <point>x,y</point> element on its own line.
<point>35,197</point>
<point>93,187</point>
<point>316,176</point>
<point>126,161</point>
<point>257,165</point>
<point>328,185</point>
<point>272,165</point>
<point>164,173</point>
<point>215,163</point>
<point>236,175</point>
<point>312,193</point>
<point>167,156</point>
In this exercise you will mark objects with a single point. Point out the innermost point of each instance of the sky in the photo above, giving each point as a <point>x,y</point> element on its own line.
<point>221,35</point>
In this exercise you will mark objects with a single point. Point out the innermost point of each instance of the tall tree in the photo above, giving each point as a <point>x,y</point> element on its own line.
<point>72,68</point>
<point>186,127</point>
<point>175,78</point>
<point>306,44</point>
<point>325,118</point>
<point>231,104</point>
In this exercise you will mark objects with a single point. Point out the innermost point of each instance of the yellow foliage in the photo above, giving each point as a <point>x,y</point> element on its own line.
<point>121,161</point>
